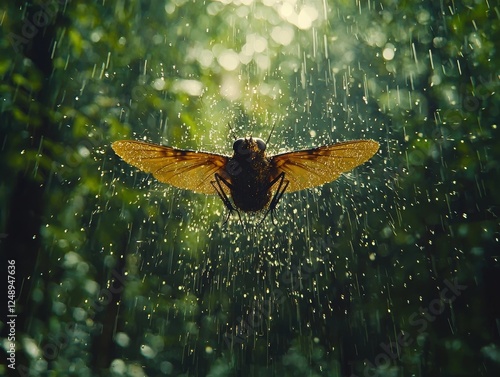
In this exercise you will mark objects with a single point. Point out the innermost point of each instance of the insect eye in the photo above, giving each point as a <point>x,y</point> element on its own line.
<point>238,144</point>
<point>260,144</point>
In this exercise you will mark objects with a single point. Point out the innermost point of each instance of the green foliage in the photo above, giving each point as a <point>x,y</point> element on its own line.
<point>124,276</point>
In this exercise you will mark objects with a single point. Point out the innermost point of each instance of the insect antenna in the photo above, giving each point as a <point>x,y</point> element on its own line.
<point>232,131</point>
<point>270,133</point>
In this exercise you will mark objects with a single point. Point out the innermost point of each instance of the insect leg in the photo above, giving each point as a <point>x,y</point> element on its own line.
<point>217,185</point>
<point>282,186</point>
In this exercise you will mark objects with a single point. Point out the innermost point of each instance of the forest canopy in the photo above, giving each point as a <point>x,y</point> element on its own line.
<point>391,270</point>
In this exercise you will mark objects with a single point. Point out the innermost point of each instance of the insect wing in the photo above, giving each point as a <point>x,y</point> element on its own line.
<point>314,167</point>
<point>185,169</point>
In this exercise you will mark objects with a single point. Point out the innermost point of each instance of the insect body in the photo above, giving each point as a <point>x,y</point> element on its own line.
<point>249,180</point>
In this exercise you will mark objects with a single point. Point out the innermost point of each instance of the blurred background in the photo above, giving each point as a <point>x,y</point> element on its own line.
<point>392,270</point>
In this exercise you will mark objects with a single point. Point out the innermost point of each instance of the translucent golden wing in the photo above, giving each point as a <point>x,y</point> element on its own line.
<point>314,167</point>
<point>185,169</point>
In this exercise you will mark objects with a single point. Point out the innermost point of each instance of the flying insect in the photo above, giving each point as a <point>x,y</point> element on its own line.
<point>249,180</point>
